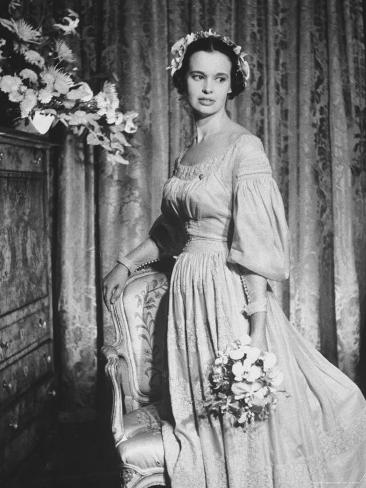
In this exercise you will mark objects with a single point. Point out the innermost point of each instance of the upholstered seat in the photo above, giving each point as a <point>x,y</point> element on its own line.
<point>136,365</point>
<point>142,452</point>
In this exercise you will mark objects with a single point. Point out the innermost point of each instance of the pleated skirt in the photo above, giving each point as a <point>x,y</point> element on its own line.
<point>317,435</point>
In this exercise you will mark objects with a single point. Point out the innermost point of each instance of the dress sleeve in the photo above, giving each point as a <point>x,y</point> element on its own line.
<point>260,241</point>
<point>168,234</point>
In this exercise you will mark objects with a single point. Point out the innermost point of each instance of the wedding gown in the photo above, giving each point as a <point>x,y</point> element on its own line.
<point>222,212</point>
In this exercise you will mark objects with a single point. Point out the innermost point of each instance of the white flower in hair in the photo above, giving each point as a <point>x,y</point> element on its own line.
<point>179,50</point>
<point>244,66</point>
<point>190,37</point>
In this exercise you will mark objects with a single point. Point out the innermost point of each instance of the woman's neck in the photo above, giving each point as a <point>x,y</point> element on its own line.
<point>210,125</point>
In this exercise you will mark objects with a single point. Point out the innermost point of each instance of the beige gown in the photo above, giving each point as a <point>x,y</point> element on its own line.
<point>224,211</point>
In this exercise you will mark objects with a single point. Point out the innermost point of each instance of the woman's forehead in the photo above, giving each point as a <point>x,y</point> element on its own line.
<point>213,61</point>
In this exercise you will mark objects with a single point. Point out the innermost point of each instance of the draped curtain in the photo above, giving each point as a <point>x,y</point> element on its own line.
<point>307,103</point>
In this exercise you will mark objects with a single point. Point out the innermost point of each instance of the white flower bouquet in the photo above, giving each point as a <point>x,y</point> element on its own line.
<point>39,78</point>
<point>244,383</point>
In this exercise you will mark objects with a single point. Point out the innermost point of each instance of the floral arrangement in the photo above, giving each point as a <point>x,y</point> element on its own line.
<point>244,383</point>
<point>38,74</point>
<point>179,49</point>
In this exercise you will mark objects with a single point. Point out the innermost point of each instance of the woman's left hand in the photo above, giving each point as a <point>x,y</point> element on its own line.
<point>258,339</point>
<point>257,330</point>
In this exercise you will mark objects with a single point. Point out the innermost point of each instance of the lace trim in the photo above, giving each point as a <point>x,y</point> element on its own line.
<point>187,172</point>
<point>261,168</point>
<point>342,439</point>
<point>206,165</point>
<point>307,473</point>
<point>291,475</point>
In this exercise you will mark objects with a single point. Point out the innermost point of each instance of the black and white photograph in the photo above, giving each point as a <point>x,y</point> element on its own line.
<point>182,243</point>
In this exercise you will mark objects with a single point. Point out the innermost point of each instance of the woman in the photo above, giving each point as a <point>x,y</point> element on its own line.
<point>223,216</point>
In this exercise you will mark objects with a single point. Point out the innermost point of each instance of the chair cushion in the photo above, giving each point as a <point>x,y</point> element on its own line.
<point>144,446</point>
<point>144,450</point>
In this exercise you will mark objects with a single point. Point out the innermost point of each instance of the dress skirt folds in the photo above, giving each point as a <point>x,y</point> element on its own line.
<point>221,215</point>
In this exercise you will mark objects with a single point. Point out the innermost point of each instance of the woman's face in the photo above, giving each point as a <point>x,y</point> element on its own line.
<point>208,82</point>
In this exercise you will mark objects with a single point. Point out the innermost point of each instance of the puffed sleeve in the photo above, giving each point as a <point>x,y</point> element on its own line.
<point>260,240</point>
<point>168,233</point>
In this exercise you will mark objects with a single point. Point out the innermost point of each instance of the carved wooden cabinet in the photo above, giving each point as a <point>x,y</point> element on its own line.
<point>26,334</point>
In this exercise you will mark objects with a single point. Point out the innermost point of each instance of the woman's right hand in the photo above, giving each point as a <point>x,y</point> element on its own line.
<point>113,284</point>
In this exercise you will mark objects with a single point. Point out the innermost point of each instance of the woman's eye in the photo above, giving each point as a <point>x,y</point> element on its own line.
<point>200,77</point>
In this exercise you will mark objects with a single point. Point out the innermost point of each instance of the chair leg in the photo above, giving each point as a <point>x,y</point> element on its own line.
<point>131,478</point>
<point>127,475</point>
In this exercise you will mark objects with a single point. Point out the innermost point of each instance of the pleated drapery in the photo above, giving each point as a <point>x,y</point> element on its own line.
<point>306,101</point>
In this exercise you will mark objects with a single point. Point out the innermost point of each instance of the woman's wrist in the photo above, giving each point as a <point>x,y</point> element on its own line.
<point>145,253</point>
<point>122,266</point>
<point>257,306</point>
<point>130,266</point>
<point>257,323</point>
<point>127,263</point>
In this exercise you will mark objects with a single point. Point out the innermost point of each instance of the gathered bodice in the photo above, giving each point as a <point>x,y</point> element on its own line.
<point>201,194</point>
<point>231,197</point>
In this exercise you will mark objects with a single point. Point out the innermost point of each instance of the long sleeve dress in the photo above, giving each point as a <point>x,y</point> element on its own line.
<point>221,215</point>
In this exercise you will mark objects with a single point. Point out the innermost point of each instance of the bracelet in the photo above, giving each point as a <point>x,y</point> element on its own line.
<point>143,265</point>
<point>257,306</point>
<point>130,265</point>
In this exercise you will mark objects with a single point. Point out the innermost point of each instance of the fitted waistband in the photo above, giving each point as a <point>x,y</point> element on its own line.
<point>202,244</point>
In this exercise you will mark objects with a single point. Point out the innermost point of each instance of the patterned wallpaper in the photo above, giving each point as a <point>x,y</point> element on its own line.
<point>306,101</point>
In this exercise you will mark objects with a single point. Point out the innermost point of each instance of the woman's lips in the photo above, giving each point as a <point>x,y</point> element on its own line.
<point>206,101</point>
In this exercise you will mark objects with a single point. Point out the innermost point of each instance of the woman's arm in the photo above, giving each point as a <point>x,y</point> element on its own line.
<point>115,280</point>
<point>255,287</point>
<point>146,251</point>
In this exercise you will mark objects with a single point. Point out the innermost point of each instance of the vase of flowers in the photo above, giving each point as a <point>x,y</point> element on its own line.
<point>42,122</point>
<point>39,79</point>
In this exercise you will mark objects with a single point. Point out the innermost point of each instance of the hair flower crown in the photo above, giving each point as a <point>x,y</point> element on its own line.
<point>179,49</point>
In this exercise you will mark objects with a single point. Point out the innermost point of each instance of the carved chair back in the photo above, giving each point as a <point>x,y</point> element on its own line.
<point>140,319</point>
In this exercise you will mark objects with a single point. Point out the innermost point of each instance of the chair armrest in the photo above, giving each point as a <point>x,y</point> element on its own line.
<point>121,366</point>
<point>112,370</point>
<point>144,290</point>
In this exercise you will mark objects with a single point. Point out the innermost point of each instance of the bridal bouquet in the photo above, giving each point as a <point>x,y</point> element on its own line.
<point>39,78</point>
<point>244,383</point>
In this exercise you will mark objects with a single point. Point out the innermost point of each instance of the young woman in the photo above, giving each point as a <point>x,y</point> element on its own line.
<point>223,216</point>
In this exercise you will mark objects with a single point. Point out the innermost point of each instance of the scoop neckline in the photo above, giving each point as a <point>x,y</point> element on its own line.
<point>211,158</point>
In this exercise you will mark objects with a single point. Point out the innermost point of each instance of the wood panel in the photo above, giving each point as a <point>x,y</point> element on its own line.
<point>21,158</point>
<point>26,409</point>
<point>26,331</point>
<point>25,371</point>
<point>19,448</point>
<point>23,239</point>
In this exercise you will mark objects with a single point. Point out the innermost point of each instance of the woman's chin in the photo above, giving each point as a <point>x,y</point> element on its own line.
<point>203,111</point>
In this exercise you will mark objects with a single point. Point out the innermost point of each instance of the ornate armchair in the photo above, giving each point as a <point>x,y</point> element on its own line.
<point>136,366</point>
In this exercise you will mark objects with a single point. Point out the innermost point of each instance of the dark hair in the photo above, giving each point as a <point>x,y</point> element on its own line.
<point>210,44</point>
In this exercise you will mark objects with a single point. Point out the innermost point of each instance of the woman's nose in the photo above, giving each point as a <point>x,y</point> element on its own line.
<point>207,87</point>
